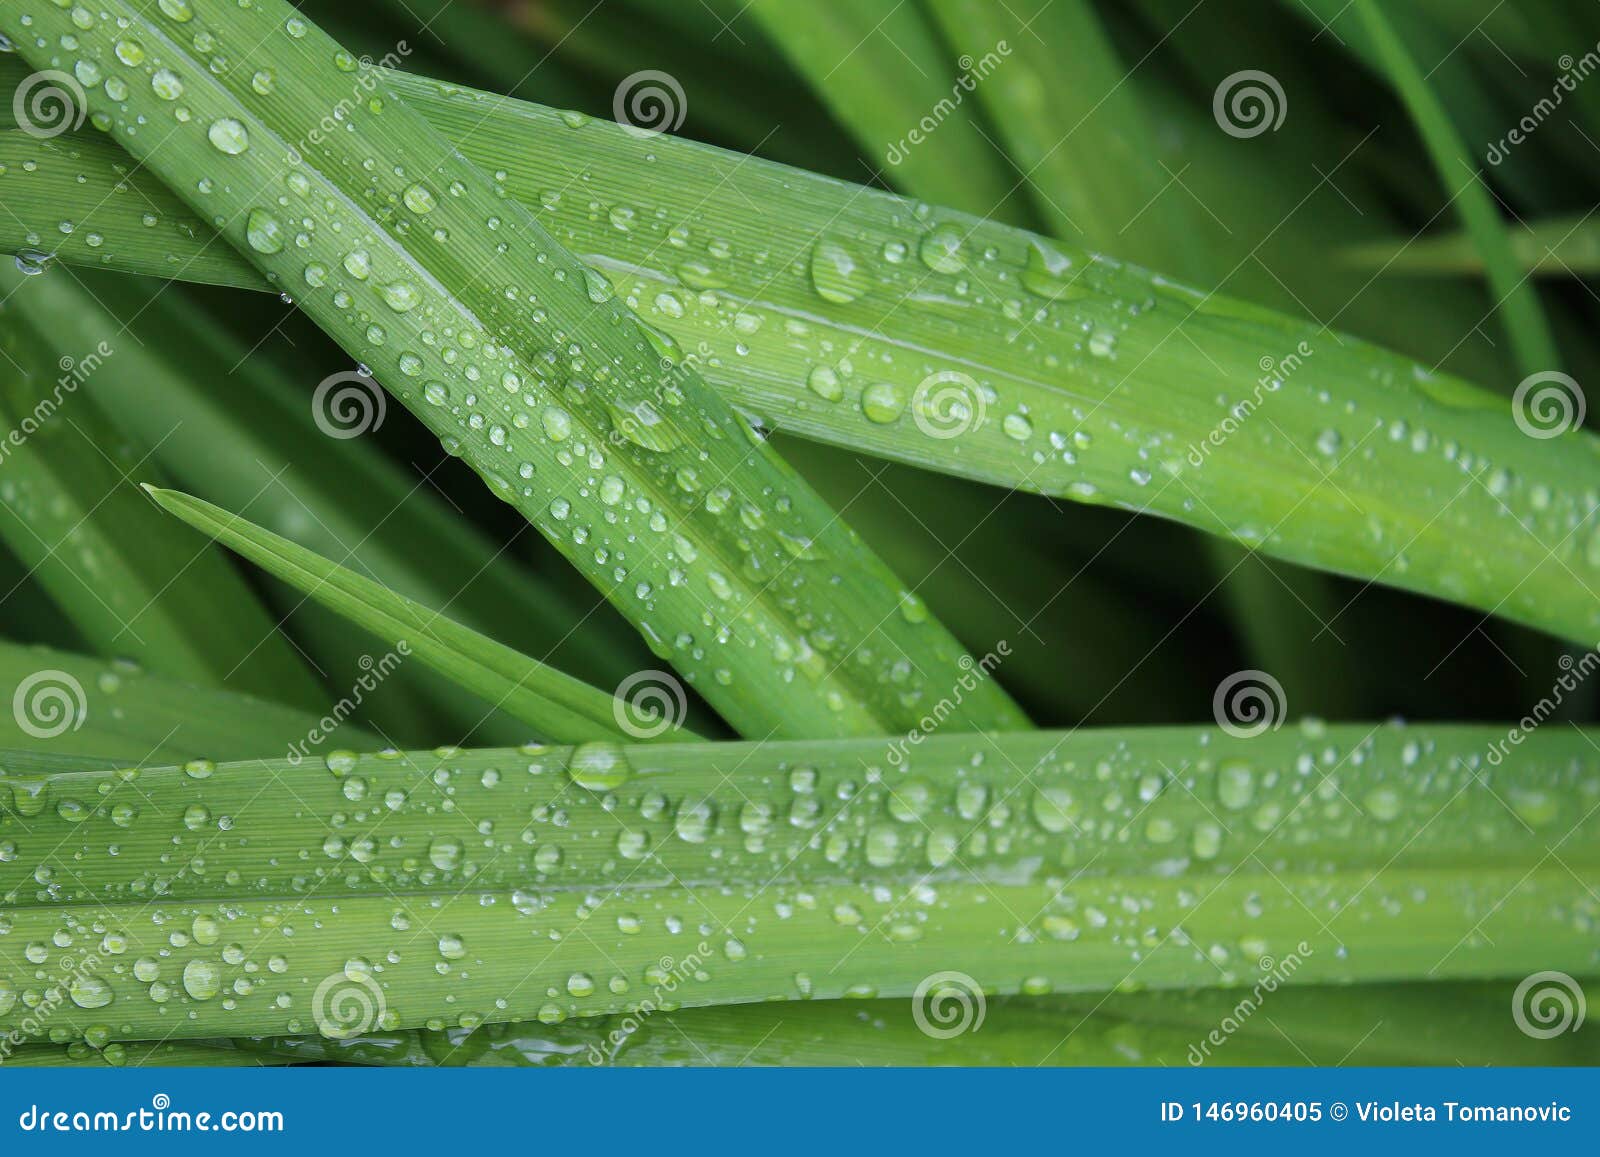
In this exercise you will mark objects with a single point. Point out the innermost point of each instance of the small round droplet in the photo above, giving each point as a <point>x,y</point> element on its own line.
<point>228,136</point>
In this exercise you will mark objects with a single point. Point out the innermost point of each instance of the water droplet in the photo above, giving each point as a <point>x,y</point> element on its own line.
<point>824,382</point>
<point>264,232</point>
<point>89,992</point>
<point>401,296</point>
<point>599,766</point>
<point>1236,785</point>
<point>940,250</point>
<point>836,274</point>
<point>418,199</point>
<point>228,136</point>
<point>883,402</point>
<point>165,83</point>
<point>202,979</point>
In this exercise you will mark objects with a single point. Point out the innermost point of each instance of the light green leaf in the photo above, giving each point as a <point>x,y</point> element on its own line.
<point>1458,171</point>
<point>557,706</point>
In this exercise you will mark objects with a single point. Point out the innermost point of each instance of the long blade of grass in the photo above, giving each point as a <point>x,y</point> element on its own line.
<point>1458,171</point>
<point>1076,135</point>
<point>482,324</point>
<point>161,390</point>
<point>557,706</point>
<point>1060,348</point>
<point>63,704</point>
<point>557,880</point>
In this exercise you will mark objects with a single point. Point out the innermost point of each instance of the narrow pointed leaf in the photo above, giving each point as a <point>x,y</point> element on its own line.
<point>1514,297</point>
<point>555,705</point>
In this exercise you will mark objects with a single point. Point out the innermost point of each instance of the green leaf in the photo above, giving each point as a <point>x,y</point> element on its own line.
<point>520,359</point>
<point>1097,381</point>
<point>557,706</point>
<point>1458,171</point>
<point>556,880</point>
